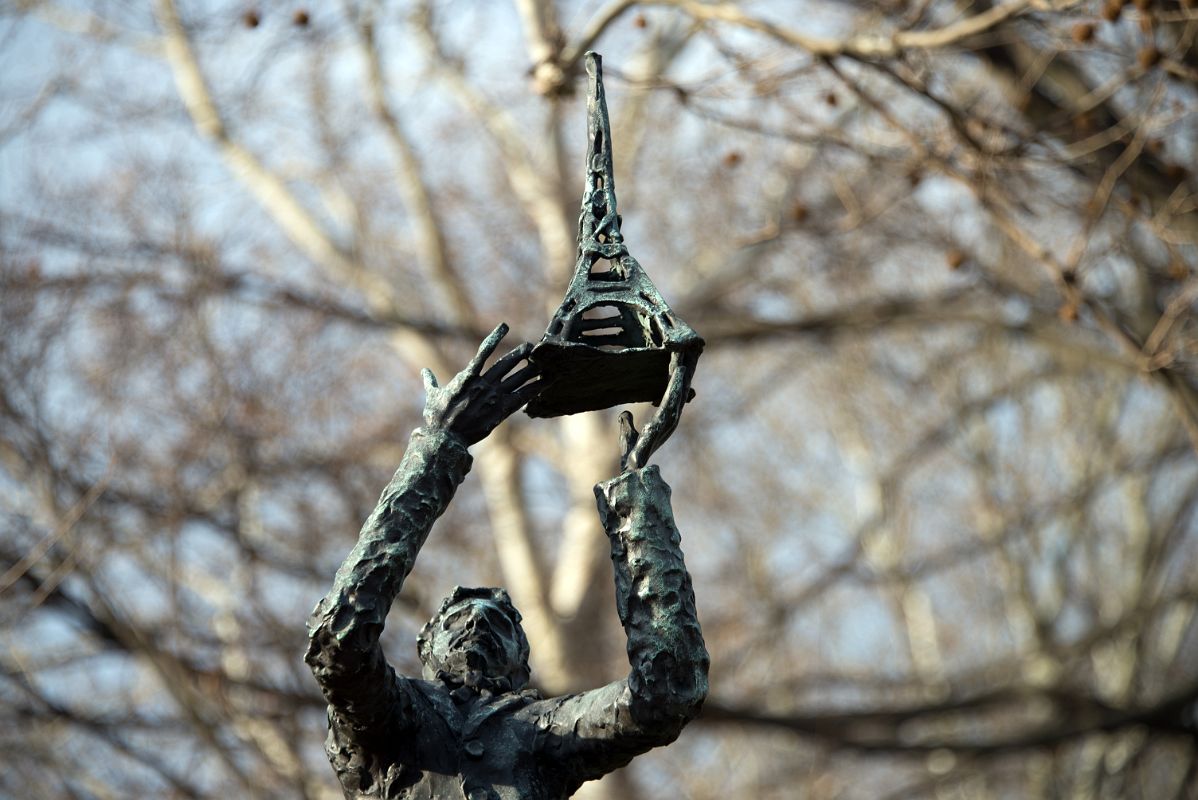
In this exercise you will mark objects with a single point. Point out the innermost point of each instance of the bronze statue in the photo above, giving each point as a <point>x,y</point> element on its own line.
<point>471,727</point>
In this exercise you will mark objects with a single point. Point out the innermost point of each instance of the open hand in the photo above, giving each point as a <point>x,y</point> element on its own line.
<point>475,402</point>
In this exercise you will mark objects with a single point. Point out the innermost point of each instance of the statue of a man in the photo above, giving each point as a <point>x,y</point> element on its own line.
<point>470,728</point>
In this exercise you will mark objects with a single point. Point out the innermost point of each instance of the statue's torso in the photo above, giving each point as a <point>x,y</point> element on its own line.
<point>478,749</point>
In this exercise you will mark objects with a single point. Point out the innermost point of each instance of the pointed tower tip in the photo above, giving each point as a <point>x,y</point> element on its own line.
<point>594,66</point>
<point>598,222</point>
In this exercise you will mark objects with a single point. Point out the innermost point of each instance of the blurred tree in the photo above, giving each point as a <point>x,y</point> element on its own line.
<point>938,489</point>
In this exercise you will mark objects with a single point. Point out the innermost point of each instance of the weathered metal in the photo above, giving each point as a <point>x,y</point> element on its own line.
<point>612,339</point>
<point>470,727</point>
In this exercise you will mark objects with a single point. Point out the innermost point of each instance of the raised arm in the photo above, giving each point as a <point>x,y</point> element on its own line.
<point>344,629</point>
<point>654,597</point>
<point>587,735</point>
<point>656,604</point>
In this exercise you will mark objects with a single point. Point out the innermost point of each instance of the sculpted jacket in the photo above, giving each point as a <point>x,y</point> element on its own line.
<point>392,736</point>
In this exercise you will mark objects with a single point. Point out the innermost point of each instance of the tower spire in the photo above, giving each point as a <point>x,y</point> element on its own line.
<point>612,339</point>
<point>598,220</point>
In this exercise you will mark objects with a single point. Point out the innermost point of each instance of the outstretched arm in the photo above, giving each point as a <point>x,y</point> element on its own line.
<point>344,629</point>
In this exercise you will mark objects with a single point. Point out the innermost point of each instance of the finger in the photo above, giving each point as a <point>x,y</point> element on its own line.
<point>519,378</point>
<point>676,391</point>
<point>646,443</point>
<point>487,348</point>
<point>430,380</point>
<point>527,392</point>
<point>690,360</point>
<point>505,363</point>
<point>628,436</point>
<point>669,412</point>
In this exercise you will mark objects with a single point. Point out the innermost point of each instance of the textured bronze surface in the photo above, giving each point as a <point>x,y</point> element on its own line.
<point>470,727</point>
<point>611,340</point>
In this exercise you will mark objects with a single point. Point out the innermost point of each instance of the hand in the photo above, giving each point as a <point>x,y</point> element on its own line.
<point>635,448</point>
<point>475,402</point>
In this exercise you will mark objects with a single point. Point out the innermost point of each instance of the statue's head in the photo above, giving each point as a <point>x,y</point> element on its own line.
<point>476,640</point>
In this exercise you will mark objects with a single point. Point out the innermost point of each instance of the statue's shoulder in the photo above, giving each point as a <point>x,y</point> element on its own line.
<point>551,710</point>
<point>432,692</point>
<point>533,705</point>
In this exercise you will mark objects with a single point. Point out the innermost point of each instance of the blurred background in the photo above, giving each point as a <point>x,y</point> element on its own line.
<point>937,490</point>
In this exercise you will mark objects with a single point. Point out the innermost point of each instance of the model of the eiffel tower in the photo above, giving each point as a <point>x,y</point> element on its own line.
<point>612,339</point>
